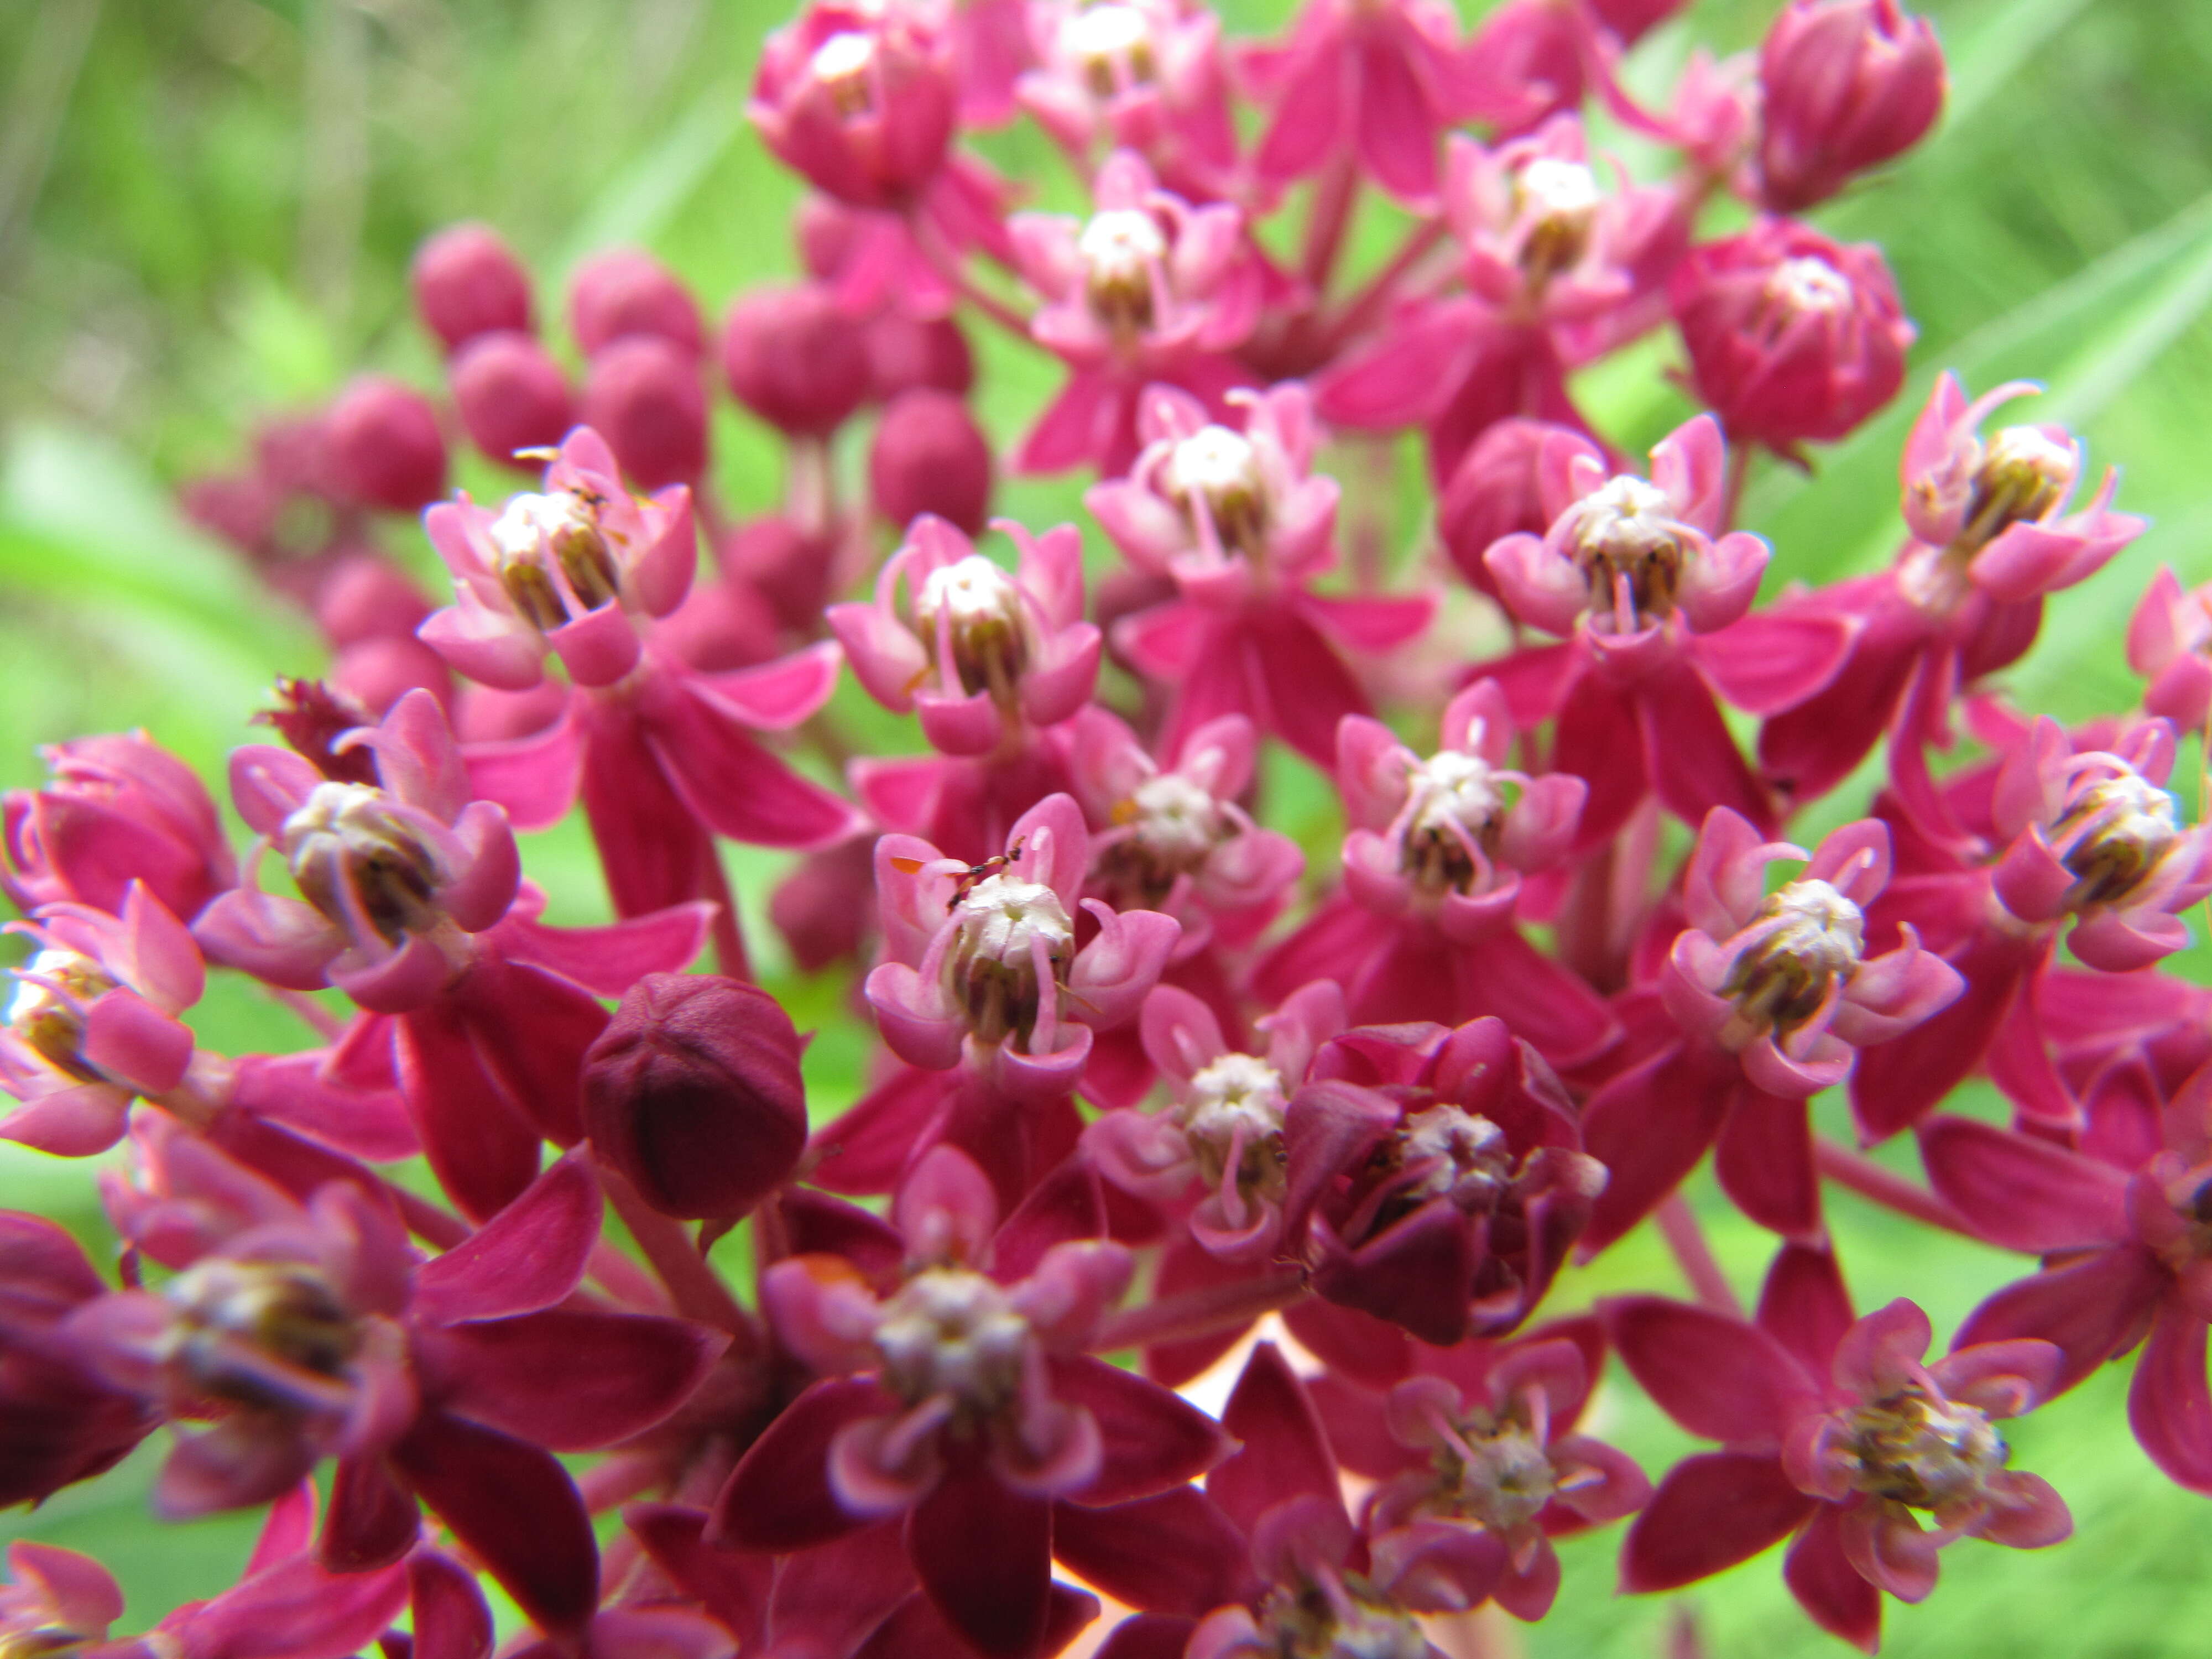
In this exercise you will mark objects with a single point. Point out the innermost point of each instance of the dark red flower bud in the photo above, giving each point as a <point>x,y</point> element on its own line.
<point>626,291</point>
<point>386,449</point>
<point>1493,493</point>
<point>905,352</point>
<point>825,908</point>
<point>929,456</point>
<point>512,396</point>
<point>693,1092</point>
<point>644,397</point>
<point>468,283</point>
<point>311,716</point>
<point>795,359</point>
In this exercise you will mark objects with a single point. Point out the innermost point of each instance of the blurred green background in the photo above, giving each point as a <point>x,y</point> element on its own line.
<point>206,209</point>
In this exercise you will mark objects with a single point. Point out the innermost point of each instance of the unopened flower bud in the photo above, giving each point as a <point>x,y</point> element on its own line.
<point>386,449</point>
<point>377,672</point>
<point>1631,20</point>
<point>625,291</point>
<point>693,1092</point>
<point>366,596</point>
<point>1846,85</point>
<point>905,352</point>
<point>789,567</point>
<point>1791,336</point>
<point>822,908</point>
<point>646,399</point>
<point>311,716</point>
<point>467,283</point>
<point>929,456</point>
<point>795,359</point>
<point>1493,493</point>
<point>512,395</point>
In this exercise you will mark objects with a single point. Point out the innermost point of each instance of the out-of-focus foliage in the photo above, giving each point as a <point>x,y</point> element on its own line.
<point>206,209</point>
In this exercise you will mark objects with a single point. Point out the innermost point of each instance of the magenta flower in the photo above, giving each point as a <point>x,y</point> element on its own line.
<point>957,1393</point>
<point>1267,1561</point>
<point>311,1330</point>
<point>410,904</point>
<point>565,570</point>
<point>984,970</point>
<point>1992,536</point>
<point>1223,1128</point>
<point>2126,1245</point>
<point>1846,85</point>
<point>1485,1436</point>
<point>1374,88</point>
<point>1175,840</point>
<point>1436,1177</point>
<point>2169,639</point>
<point>56,1598</point>
<point>60,1423</point>
<point>1242,526</point>
<point>95,1023</point>
<point>117,809</point>
<point>1145,75</point>
<point>860,100</point>
<point>1150,288</point>
<point>1792,337</point>
<point>1834,1432</point>
<point>1774,996</point>
<point>981,656</point>
<point>2096,840</point>
<point>1423,927</point>
<point>1639,572</point>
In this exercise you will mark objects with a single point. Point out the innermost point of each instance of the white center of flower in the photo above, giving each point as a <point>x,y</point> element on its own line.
<point>952,1331</point>
<point>1236,1092</point>
<point>1809,284</point>
<point>360,864</point>
<point>1001,914</point>
<point>2115,833</point>
<point>1820,926</point>
<point>1174,820</point>
<point>1624,514</point>
<point>532,522</point>
<point>33,1002</point>
<point>1555,188</point>
<point>1120,247</point>
<point>1920,1452</point>
<point>1213,462</point>
<point>1455,1153</point>
<point>1102,34</point>
<point>1452,788</point>
<point>843,56</point>
<point>973,591</point>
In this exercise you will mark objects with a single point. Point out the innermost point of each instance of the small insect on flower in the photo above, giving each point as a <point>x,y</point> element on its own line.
<point>969,875</point>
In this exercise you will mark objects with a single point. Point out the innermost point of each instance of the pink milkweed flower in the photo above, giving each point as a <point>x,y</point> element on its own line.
<point>1148,75</point>
<point>59,1422</point>
<point>571,569</point>
<point>116,810</point>
<point>1223,1127</point>
<point>56,1601</point>
<point>1845,85</point>
<point>984,968</point>
<point>1792,336</point>
<point>1835,1432</point>
<point>95,1022</point>
<point>860,100</point>
<point>957,1392</point>
<point>2096,838</point>
<point>1375,86</point>
<point>1775,994</point>
<point>1488,1439</point>
<point>1992,537</point>
<point>1242,524</point>
<point>1149,287</point>
<point>393,879</point>
<point>981,655</point>
<point>1174,839</point>
<point>2170,645</point>
<point>312,1329</point>
<point>1436,1178</point>
<point>1423,928</point>
<point>1266,1561</point>
<point>2127,1251</point>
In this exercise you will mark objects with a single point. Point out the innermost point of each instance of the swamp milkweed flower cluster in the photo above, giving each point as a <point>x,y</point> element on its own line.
<point>1160,1077</point>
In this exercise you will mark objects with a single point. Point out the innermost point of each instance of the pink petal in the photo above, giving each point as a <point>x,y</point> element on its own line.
<point>1716,1376</point>
<point>1711,1511</point>
<point>1830,1589</point>
<point>529,1255</point>
<point>2169,1405</point>
<point>2022,1193</point>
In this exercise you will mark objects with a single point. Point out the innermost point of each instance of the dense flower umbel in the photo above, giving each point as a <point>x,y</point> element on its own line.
<point>1836,1433</point>
<point>1142,1086</point>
